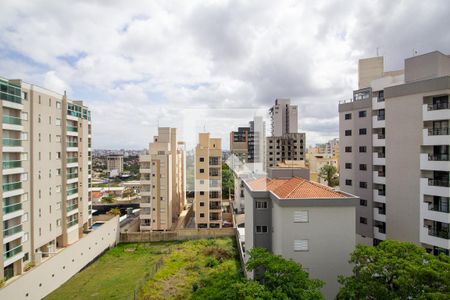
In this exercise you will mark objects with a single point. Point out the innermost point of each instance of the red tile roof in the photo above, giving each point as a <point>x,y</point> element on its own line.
<point>294,188</point>
<point>96,195</point>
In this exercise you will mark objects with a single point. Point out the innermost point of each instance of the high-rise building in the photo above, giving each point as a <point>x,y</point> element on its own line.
<point>163,189</point>
<point>257,142</point>
<point>286,143</point>
<point>239,142</point>
<point>46,174</point>
<point>395,139</point>
<point>284,117</point>
<point>114,164</point>
<point>208,182</point>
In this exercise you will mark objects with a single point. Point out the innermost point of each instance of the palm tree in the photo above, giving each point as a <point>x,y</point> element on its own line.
<point>329,173</point>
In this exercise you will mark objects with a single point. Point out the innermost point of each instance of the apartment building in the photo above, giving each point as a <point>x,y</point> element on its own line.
<point>114,164</point>
<point>208,182</point>
<point>286,143</point>
<point>301,220</point>
<point>395,137</point>
<point>239,142</point>
<point>163,186</point>
<point>46,174</point>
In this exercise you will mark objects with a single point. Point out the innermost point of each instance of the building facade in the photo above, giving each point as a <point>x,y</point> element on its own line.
<point>208,182</point>
<point>163,189</point>
<point>284,117</point>
<point>46,174</point>
<point>395,139</point>
<point>239,142</point>
<point>304,221</point>
<point>114,164</point>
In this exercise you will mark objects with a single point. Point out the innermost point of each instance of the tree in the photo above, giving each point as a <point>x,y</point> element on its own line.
<point>108,199</point>
<point>329,173</point>
<point>115,211</point>
<point>227,181</point>
<point>396,270</point>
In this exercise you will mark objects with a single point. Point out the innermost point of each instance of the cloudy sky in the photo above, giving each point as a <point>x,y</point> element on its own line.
<point>209,64</point>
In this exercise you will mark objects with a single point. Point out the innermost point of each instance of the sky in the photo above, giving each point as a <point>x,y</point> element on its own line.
<point>209,65</point>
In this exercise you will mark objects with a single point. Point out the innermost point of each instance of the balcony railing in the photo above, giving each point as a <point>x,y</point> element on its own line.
<point>11,164</point>
<point>72,144</point>
<point>12,142</point>
<point>438,106</point>
<point>72,207</point>
<point>72,128</point>
<point>212,206</point>
<point>13,252</point>
<point>438,208</point>
<point>381,154</point>
<point>380,117</point>
<point>439,131</point>
<point>438,157</point>
<point>444,234</point>
<point>381,174</point>
<point>72,160</point>
<point>12,230</point>
<point>12,120</point>
<point>12,208</point>
<point>72,175</point>
<point>438,182</point>
<point>381,193</point>
<point>214,218</point>
<point>72,191</point>
<point>12,186</point>
<point>10,97</point>
<point>72,223</point>
<point>381,136</point>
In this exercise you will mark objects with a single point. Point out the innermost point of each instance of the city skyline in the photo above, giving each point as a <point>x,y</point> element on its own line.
<point>139,67</point>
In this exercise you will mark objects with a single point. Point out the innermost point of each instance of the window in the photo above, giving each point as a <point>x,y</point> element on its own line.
<point>261,229</point>
<point>348,149</point>
<point>363,184</point>
<point>301,216</point>
<point>362,131</point>
<point>202,170</point>
<point>362,149</point>
<point>58,122</point>
<point>25,238</point>
<point>362,220</point>
<point>348,132</point>
<point>348,182</point>
<point>58,222</point>
<point>202,215</point>
<point>58,138</point>
<point>24,136</point>
<point>362,113</point>
<point>261,204</point>
<point>202,203</point>
<point>24,116</point>
<point>348,165</point>
<point>362,167</point>
<point>202,193</point>
<point>202,159</point>
<point>58,104</point>
<point>301,245</point>
<point>362,202</point>
<point>348,116</point>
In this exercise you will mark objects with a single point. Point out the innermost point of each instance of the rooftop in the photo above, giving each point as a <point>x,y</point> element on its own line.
<point>294,188</point>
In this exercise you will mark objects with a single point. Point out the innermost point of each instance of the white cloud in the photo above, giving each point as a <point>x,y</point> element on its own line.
<point>148,62</point>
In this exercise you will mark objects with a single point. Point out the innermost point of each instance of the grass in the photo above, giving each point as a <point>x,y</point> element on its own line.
<point>119,271</point>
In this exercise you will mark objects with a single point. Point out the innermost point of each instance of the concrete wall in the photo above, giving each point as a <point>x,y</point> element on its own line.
<point>331,239</point>
<point>52,273</point>
<point>176,235</point>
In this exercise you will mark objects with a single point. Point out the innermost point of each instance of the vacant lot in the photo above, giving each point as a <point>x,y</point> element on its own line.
<point>121,270</point>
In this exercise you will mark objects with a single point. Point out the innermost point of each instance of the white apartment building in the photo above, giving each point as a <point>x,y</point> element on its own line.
<point>208,182</point>
<point>302,220</point>
<point>395,151</point>
<point>114,165</point>
<point>46,174</point>
<point>163,186</point>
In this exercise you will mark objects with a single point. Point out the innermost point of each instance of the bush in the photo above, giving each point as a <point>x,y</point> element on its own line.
<point>211,262</point>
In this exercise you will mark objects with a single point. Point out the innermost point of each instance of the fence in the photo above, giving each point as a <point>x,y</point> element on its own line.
<point>176,235</point>
<point>155,268</point>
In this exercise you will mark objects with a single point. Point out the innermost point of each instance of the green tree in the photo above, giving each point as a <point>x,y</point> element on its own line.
<point>396,270</point>
<point>108,199</point>
<point>329,173</point>
<point>115,211</point>
<point>227,181</point>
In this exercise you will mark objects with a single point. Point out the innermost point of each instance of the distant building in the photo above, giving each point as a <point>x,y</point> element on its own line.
<point>395,138</point>
<point>239,142</point>
<point>301,220</point>
<point>163,190</point>
<point>286,143</point>
<point>288,169</point>
<point>208,182</point>
<point>321,155</point>
<point>114,165</point>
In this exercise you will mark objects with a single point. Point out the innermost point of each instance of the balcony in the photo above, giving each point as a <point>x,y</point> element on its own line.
<point>72,128</point>
<point>12,186</point>
<point>72,144</point>
<point>72,175</point>
<point>72,223</point>
<point>72,192</point>
<point>429,235</point>
<point>72,207</point>
<point>379,196</point>
<point>434,187</point>
<point>11,120</point>
<point>378,122</point>
<point>436,136</point>
<point>215,206</point>
<point>430,212</point>
<point>379,233</point>
<point>438,162</point>
<point>12,252</point>
<point>378,140</point>
<point>12,164</point>
<point>379,158</point>
<point>7,142</point>
<point>12,230</point>
<point>432,112</point>
<point>11,208</point>
<point>378,103</point>
<point>379,177</point>
<point>379,214</point>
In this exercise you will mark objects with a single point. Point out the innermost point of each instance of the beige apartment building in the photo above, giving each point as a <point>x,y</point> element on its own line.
<point>208,182</point>
<point>46,174</point>
<point>320,156</point>
<point>163,187</point>
<point>114,164</point>
<point>395,138</point>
